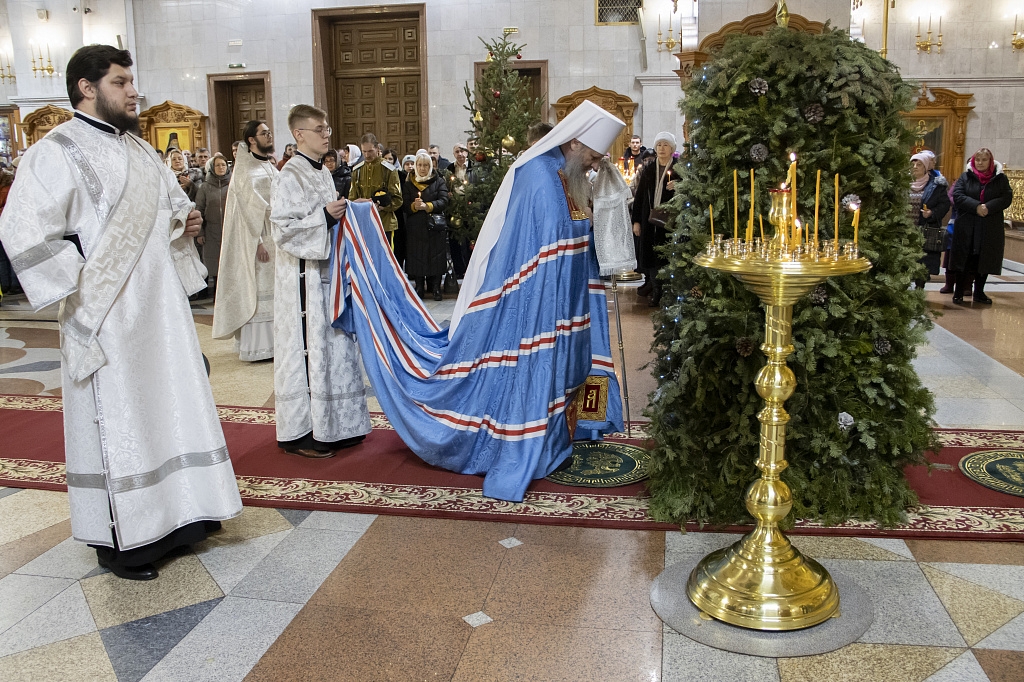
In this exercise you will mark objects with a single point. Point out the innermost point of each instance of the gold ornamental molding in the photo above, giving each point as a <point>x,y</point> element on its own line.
<point>609,100</point>
<point>753,25</point>
<point>160,122</point>
<point>1016,211</point>
<point>939,123</point>
<point>43,120</point>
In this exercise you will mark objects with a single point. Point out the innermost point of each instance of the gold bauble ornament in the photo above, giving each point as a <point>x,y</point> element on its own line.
<point>508,142</point>
<point>477,117</point>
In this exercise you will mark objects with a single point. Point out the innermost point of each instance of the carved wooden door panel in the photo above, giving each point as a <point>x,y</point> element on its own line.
<point>248,103</point>
<point>378,79</point>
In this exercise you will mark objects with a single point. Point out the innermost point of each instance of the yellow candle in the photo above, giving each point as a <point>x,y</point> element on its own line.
<point>750,223</point>
<point>856,223</point>
<point>837,212</point>
<point>792,186</point>
<point>761,220</point>
<point>735,205</point>
<point>817,199</point>
<point>711,212</point>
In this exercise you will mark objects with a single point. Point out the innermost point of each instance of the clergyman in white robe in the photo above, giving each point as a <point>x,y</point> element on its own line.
<point>145,453</point>
<point>244,305</point>
<point>318,382</point>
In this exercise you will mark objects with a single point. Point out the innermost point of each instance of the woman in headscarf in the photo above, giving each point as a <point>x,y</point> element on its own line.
<point>929,204</point>
<point>654,188</point>
<point>175,160</point>
<point>425,197</point>
<point>981,195</point>
<point>210,201</point>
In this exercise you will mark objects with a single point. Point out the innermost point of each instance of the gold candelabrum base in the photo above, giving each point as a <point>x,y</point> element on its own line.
<point>763,582</point>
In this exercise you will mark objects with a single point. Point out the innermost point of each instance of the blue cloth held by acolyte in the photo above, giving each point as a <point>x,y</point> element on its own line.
<point>492,400</point>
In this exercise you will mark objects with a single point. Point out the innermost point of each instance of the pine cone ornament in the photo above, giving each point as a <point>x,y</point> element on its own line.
<point>850,201</point>
<point>702,153</point>
<point>820,295</point>
<point>696,293</point>
<point>759,86</point>
<point>744,346</point>
<point>882,346</point>
<point>845,421</point>
<point>759,153</point>
<point>814,113</point>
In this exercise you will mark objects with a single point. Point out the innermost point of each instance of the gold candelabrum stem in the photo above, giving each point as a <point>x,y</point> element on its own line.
<point>928,44</point>
<point>763,582</point>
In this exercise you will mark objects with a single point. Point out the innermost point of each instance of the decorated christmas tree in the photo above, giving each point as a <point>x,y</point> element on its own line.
<point>859,413</point>
<point>501,110</point>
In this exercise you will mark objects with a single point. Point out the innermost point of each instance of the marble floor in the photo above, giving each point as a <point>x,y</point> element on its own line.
<point>295,595</point>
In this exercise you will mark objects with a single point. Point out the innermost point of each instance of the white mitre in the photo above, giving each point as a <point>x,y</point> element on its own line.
<point>588,123</point>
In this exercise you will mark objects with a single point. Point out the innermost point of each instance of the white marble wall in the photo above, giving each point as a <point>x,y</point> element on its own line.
<point>976,58</point>
<point>181,41</point>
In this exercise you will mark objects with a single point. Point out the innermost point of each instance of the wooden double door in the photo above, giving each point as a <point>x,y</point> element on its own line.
<point>378,82</point>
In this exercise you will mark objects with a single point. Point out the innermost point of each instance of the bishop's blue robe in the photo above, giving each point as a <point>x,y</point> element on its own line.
<point>492,399</point>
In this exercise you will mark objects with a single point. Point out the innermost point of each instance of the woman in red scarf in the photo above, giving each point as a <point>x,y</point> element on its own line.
<point>981,195</point>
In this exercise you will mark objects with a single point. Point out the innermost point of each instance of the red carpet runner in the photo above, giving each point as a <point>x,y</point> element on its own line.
<point>382,476</point>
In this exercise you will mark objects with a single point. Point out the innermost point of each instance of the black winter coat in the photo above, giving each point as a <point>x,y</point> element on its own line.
<point>426,251</point>
<point>651,235</point>
<point>974,234</point>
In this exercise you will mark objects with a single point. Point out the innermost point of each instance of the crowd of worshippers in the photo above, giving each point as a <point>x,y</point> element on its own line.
<point>415,206</point>
<point>412,193</point>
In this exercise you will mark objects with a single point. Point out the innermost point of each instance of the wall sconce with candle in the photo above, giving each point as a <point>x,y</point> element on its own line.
<point>7,75</point>
<point>47,70</point>
<point>927,45</point>
<point>670,43</point>
<point>1017,42</point>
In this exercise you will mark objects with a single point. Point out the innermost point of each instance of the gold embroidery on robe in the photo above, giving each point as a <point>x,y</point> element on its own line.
<point>590,403</point>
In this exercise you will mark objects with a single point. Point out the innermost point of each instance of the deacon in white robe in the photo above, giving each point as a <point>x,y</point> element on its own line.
<point>244,305</point>
<point>96,222</point>
<point>319,397</point>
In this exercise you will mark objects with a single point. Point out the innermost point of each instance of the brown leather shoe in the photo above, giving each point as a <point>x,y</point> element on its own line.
<point>309,453</point>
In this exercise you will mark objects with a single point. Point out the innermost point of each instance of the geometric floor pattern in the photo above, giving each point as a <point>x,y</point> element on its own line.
<point>297,595</point>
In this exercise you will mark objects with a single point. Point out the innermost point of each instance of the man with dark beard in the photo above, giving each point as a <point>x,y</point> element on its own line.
<point>96,222</point>
<point>244,305</point>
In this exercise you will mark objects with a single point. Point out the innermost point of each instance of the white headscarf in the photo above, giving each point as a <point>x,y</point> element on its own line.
<point>588,123</point>
<point>422,154</point>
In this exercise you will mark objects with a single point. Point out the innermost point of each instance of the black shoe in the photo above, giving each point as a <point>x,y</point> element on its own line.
<point>959,300</point>
<point>645,288</point>
<point>143,572</point>
<point>212,526</point>
<point>982,298</point>
<point>345,443</point>
<point>438,296</point>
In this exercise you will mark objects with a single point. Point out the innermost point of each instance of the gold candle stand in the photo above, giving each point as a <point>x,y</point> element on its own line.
<point>763,582</point>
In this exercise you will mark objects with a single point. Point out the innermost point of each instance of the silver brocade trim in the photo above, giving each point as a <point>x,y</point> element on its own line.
<point>149,478</point>
<point>186,461</point>
<point>92,181</point>
<point>36,255</point>
<point>87,481</point>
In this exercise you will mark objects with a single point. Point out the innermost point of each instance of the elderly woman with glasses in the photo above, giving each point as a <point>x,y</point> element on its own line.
<point>424,199</point>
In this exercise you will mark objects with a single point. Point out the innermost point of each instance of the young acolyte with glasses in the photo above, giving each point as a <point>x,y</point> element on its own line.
<point>319,398</point>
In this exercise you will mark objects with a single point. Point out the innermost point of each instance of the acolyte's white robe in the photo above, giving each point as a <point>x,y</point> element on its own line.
<point>244,308</point>
<point>144,448</point>
<point>332,405</point>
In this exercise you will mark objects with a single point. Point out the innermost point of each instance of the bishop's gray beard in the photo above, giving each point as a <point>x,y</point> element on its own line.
<point>577,181</point>
<point>119,118</point>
